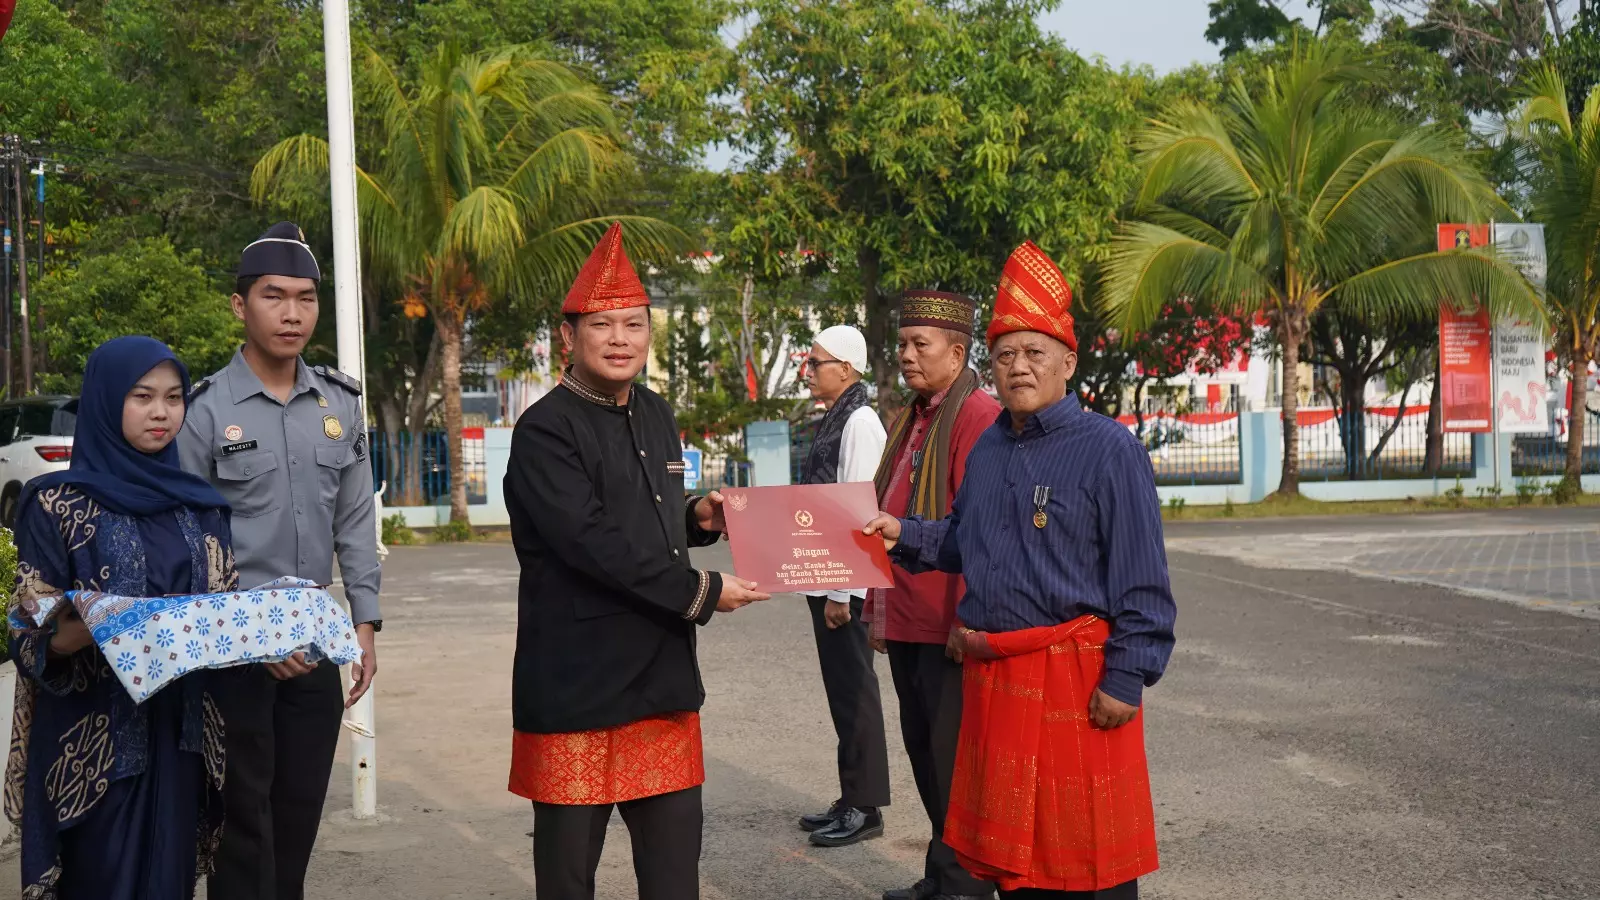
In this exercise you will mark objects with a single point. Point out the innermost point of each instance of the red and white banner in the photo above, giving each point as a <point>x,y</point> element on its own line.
<point>1204,429</point>
<point>1465,347</point>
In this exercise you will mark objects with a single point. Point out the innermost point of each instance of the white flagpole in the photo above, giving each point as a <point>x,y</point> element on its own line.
<point>347,294</point>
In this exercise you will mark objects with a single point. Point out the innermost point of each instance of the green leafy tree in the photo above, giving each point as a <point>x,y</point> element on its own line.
<point>142,287</point>
<point>915,144</point>
<point>491,185</point>
<point>1237,25</point>
<point>1284,198</point>
<point>55,84</point>
<point>656,57</point>
<point>204,89</point>
<point>1485,45</point>
<point>1561,156</point>
<point>1578,60</point>
<point>721,318</point>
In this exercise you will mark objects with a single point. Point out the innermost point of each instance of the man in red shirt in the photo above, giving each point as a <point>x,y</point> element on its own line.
<point>921,470</point>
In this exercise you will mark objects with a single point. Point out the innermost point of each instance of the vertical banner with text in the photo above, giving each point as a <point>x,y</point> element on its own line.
<point>1465,352</point>
<point>1522,390</point>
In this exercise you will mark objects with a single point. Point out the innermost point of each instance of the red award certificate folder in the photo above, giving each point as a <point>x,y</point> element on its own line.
<point>806,538</point>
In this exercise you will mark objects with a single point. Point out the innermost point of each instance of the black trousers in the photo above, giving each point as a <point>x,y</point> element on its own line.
<point>929,686</point>
<point>280,738</point>
<point>1128,890</point>
<point>665,832</point>
<point>855,704</point>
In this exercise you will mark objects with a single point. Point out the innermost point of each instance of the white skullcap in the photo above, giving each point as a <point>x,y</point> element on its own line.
<point>846,343</point>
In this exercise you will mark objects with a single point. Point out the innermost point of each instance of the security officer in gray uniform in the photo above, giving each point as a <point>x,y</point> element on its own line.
<point>286,444</point>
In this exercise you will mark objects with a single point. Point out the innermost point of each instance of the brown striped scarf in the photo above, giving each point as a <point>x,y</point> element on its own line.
<point>930,472</point>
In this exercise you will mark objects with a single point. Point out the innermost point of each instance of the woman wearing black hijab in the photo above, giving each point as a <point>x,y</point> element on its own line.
<point>116,800</point>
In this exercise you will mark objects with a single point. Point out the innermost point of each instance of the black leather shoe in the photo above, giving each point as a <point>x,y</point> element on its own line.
<point>852,826</point>
<point>922,890</point>
<point>819,821</point>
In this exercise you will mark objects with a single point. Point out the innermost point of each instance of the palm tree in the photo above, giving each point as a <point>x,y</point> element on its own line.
<point>487,182</point>
<point>1294,195</point>
<point>1561,159</point>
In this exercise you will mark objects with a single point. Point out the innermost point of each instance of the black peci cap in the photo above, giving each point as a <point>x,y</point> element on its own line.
<point>282,250</point>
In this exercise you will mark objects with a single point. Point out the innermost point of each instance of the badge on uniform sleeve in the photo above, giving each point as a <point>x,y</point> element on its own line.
<point>332,428</point>
<point>233,433</point>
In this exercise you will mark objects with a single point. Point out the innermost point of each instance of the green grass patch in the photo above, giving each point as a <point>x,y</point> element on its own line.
<point>8,578</point>
<point>453,533</point>
<point>396,532</point>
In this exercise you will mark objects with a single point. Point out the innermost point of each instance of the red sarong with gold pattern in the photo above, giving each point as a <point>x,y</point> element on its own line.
<point>646,758</point>
<point>1042,798</point>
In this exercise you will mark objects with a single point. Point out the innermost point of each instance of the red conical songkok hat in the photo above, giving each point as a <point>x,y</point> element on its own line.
<point>607,280</point>
<point>1034,296</point>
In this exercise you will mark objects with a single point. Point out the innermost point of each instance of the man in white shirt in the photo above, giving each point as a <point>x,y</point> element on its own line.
<point>847,445</point>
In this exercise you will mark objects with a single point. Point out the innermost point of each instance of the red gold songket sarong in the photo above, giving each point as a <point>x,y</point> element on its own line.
<point>1041,797</point>
<point>646,758</point>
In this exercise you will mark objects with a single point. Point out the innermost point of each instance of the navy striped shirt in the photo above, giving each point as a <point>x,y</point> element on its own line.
<point>1099,553</point>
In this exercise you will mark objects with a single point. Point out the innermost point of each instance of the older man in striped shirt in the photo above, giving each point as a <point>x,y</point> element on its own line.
<point>1068,616</point>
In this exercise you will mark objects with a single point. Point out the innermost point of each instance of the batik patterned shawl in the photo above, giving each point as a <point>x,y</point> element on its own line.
<point>151,641</point>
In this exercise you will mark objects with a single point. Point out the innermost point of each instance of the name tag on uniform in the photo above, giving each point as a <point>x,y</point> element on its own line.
<point>238,447</point>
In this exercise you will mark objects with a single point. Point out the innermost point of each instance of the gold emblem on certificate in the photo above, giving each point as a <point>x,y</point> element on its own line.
<point>803,519</point>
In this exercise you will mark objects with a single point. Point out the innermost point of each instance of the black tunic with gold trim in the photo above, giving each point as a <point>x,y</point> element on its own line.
<point>608,603</point>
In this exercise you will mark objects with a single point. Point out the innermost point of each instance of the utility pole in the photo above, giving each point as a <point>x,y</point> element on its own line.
<point>19,166</point>
<point>5,276</point>
<point>40,173</point>
<point>347,316</point>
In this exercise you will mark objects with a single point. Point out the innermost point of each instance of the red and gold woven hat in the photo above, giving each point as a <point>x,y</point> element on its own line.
<point>1033,296</point>
<point>607,280</point>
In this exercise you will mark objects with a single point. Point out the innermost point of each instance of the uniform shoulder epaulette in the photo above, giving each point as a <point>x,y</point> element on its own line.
<point>332,374</point>
<point>199,387</point>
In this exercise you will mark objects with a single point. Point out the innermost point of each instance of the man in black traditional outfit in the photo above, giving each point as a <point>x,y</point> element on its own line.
<point>606,690</point>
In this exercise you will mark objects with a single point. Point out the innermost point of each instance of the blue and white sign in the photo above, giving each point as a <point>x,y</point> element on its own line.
<point>691,470</point>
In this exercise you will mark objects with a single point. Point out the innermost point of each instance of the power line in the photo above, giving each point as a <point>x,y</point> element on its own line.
<point>132,161</point>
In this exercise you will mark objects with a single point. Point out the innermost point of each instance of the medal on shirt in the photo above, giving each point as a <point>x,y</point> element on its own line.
<point>332,428</point>
<point>1041,497</point>
<point>916,465</point>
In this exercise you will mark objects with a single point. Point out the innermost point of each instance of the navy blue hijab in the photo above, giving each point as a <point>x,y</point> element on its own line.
<point>104,465</point>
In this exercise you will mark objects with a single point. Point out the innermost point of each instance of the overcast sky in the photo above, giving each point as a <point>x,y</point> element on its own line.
<point>1165,34</point>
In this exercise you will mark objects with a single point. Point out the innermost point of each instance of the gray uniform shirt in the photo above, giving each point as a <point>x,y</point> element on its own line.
<point>296,475</point>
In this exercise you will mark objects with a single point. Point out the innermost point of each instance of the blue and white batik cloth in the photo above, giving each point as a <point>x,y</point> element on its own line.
<point>150,641</point>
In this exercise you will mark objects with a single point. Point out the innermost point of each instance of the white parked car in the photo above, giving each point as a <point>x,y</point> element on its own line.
<point>35,439</point>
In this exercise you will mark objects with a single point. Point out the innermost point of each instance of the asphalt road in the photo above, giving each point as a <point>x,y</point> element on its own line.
<point>1320,734</point>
